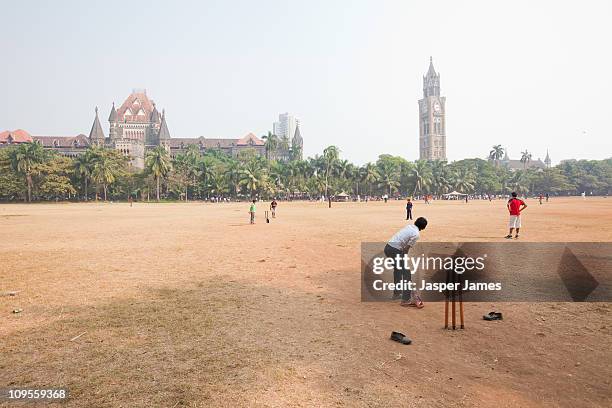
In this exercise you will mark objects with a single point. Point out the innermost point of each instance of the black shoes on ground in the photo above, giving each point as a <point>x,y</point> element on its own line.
<point>400,338</point>
<point>493,316</point>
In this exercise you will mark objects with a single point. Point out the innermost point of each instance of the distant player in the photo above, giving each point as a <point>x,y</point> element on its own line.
<point>541,198</point>
<point>400,244</point>
<point>515,206</point>
<point>273,205</point>
<point>408,209</point>
<point>252,212</point>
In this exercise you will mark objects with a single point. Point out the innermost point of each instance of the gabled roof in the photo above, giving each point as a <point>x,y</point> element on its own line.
<point>63,141</point>
<point>180,142</point>
<point>15,136</point>
<point>164,134</point>
<point>250,139</point>
<point>132,105</point>
<point>96,132</point>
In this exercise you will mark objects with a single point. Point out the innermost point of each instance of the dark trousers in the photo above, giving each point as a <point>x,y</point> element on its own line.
<point>399,274</point>
<point>408,214</point>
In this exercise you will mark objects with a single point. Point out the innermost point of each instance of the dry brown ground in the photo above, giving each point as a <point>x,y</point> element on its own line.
<point>188,305</point>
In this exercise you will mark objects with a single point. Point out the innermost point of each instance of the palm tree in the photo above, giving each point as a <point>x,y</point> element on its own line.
<point>525,158</point>
<point>284,145</point>
<point>234,176</point>
<point>24,159</point>
<point>271,146</point>
<point>519,182</point>
<point>83,167</point>
<point>503,175</point>
<point>496,153</point>
<point>182,174</point>
<point>464,179</point>
<point>330,156</point>
<point>194,165</point>
<point>440,177</point>
<point>421,173</point>
<point>369,175</point>
<point>388,177</point>
<point>103,171</point>
<point>253,175</point>
<point>279,175</point>
<point>217,184</point>
<point>158,163</point>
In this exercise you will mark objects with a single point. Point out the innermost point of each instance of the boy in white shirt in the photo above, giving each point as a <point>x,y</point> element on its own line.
<point>400,244</point>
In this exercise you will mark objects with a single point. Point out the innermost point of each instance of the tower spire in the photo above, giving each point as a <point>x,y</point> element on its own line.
<point>113,114</point>
<point>432,117</point>
<point>96,134</point>
<point>431,81</point>
<point>164,133</point>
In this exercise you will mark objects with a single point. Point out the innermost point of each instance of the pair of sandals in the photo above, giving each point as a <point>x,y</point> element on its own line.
<point>493,316</point>
<point>509,236</point>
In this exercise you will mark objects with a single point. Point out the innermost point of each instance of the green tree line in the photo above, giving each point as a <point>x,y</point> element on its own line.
<point>30,173</point>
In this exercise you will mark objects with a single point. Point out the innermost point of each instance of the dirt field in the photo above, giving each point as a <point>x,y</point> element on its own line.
<point>189,305</point>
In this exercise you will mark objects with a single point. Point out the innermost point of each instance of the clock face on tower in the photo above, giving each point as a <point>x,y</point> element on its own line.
<point>436,107</point>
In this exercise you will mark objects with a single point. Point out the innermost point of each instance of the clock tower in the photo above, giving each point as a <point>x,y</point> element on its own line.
<point>432,118</point>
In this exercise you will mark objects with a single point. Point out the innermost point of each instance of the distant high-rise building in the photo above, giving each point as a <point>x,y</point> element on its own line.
<point>432,118</point>
<point>287,129</point>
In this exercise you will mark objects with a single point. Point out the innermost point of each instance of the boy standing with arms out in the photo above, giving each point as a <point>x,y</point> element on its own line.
<point>252,212</point>
<point>515,206</point>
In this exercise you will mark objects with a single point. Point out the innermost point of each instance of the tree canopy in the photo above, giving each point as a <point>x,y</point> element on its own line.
<point>28,172</point>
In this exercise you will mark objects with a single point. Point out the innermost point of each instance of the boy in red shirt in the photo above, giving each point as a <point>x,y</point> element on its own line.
<point>515,206</point>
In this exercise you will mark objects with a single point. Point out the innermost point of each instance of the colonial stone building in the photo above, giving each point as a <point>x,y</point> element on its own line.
<point>134,128</point>
<point>531,164</point>
<point>70,146</point>
<point>231,147</point>
<point>432,118</point>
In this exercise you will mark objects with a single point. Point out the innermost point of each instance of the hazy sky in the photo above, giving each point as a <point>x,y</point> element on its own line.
<point>525,74</point>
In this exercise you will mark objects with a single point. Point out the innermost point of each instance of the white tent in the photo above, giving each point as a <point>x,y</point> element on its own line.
<point>342,196</point>
<point>454,195</point>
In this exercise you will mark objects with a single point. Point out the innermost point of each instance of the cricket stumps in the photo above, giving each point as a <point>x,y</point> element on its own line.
<point>453,295</point>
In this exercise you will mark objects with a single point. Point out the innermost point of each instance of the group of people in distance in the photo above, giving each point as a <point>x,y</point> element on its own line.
<point>401,242</point>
